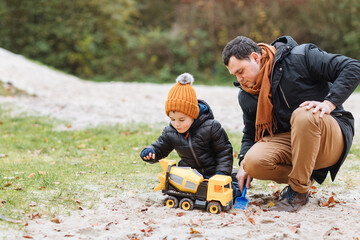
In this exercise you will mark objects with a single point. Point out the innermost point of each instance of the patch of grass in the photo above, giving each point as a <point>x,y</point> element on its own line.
<point>51,172</point>
<point>7,89</point>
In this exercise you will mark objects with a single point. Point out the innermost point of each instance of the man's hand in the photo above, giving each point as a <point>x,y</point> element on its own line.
<point>325,107</point>
<point>242,176</point>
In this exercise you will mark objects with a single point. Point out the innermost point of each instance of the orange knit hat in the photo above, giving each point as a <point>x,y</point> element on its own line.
<point>182,97</point>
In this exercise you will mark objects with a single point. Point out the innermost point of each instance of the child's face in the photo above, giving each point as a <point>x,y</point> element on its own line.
<point>180,121</point>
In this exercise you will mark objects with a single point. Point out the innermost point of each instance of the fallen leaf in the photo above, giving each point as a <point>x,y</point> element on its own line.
<point>196,221</point>
<point>193,231</point>
<point>31,175</point>
<point>8,184</point>
<point>143,210</point>
<point>251,220</point>
<point>33,216</point>
<point>180,214</point>
<point>293,229</point>
<point>55,220</point>
<point>276,216</point>
<point>313,190</point>
<point>249,235</point>
<point>81,146</point>
<point>222,214</point>
<point>271,204</point>
<point>276,194</point>
<point>27,237</point>
<point>107,227</point>
<point>37,152</point>
<point>68,235</point>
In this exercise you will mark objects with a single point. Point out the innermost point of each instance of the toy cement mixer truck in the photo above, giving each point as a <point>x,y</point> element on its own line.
<point>186,188</point>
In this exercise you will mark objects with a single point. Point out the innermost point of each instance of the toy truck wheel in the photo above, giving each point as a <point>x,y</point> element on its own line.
<point>213,207</point>
<point>186,204</point>
<point>171,202</point>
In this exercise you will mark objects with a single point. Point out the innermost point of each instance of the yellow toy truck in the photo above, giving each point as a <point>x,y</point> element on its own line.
<point>186,188</point>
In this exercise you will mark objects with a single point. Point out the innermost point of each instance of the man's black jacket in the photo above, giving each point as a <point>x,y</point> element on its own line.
<point>305,73</point>
<point>206,147</point>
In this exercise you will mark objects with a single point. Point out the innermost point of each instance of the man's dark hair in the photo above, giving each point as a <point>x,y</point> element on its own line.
<point>240,47</point>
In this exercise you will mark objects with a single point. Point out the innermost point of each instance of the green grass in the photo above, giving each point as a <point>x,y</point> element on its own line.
<point>59,171</point>
<point>9,90</point>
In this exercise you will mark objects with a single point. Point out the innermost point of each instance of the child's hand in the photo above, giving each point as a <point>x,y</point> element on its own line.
<point>147,154</point>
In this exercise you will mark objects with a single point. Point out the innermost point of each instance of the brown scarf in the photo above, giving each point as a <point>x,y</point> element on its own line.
<point>265,120</point>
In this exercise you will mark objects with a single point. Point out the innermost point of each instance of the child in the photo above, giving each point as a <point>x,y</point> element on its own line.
<point>199,140</point>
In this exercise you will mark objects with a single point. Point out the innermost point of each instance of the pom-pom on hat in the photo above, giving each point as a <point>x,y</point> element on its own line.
<point>182,97</point>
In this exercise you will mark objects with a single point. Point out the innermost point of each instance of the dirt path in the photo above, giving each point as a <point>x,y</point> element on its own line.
<point>141,215</point>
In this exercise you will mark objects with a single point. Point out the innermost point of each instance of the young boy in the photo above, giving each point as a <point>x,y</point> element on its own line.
<point>199,140</point>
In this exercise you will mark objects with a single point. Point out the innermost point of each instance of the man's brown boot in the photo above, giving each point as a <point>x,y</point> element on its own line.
<point>290,201</point>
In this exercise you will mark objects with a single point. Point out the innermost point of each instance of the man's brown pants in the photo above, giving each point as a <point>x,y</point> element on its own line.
<point>291,157</point>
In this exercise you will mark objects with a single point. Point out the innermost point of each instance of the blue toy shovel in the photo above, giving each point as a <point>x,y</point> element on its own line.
<point>241,202</point>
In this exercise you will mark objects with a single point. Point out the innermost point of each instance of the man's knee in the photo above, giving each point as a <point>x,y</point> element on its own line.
<point>253,164</point>
<point>303,117</point>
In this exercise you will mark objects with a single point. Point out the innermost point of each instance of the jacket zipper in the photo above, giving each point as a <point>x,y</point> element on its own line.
<point>282,92</point>
<point>272,71</point>
<point>192,151</point>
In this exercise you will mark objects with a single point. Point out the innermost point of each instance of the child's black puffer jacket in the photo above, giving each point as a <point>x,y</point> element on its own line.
<point>205,146</point>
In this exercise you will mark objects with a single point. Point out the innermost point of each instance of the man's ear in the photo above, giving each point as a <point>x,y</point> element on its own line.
<point>256,57</point>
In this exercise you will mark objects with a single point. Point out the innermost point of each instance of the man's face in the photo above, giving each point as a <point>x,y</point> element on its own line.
<point>246,70</point>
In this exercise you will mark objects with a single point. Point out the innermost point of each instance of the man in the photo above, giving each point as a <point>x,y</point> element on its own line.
<point>295,128</point>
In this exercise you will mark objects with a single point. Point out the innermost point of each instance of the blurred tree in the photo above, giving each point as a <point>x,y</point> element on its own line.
<point>337,25</point>
<point>148,40</point>
<point>70,35</point>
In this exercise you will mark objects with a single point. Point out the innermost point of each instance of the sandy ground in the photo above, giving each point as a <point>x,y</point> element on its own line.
<point>142,215</point>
